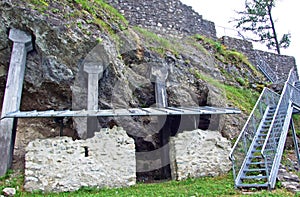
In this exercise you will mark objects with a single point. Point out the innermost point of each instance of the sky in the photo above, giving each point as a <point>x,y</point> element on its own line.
<point>222,11</point>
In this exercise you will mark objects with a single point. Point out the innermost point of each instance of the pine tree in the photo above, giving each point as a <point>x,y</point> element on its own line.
<point>258,19</point>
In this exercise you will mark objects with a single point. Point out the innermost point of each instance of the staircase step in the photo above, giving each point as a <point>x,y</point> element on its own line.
<point>258,151</point>
<point>256,157</point>
<point>254,177</point>
<point>254,170</point>
<point>262,135</point>
<point>257,163</point>
<point>254,185</point>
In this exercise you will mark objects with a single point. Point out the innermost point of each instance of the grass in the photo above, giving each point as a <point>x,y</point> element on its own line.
<point>207,186</point>
<point>243,98</point>
<point>101,12</point>
<point>157,43</point>
<point>11,179</point>
<point>227,56</point>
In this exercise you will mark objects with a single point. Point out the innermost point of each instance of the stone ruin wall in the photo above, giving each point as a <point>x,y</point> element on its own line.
<point>109,160</point>
<point>281,64</point>
<point>165,17</point>
<point>61,164</point>
<point>171,17</point>
<point>199,153</point>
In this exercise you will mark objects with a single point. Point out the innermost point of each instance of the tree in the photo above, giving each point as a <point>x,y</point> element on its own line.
<point>257,18</point>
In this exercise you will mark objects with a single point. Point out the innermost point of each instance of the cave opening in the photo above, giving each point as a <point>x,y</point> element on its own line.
<point>167,126</point>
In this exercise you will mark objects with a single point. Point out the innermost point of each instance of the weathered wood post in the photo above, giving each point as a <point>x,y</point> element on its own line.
<point>95,72</point>
<point>22,44</point>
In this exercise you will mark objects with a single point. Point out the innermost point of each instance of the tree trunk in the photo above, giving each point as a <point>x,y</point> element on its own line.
<point>273,27</point>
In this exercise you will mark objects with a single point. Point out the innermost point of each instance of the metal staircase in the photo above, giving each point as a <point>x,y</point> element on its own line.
<point>257,153</point>
<point>264,67</point>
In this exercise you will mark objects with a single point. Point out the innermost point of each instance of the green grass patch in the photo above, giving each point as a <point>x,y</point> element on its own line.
<point>102,13</point>
<point>242,98</point>
<point>96,8</point>
<point>227,56</point>
<point>207,186</point>
<point>157,43</point>
<point>93,7</point>
<point>296,119</point>
<point>11,179</point>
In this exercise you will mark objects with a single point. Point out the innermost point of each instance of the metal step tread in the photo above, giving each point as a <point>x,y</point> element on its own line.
<point>257,163</point>
<point>254,170</point>
<point>256,185</point>
<point>255,157</point>
<point>254,177</point>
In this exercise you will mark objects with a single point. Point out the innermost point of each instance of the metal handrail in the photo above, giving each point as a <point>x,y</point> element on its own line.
<point>266,69</point>
<point>282,106</point>
<point>247,122</point>
<point>266,98</point>
<point>295,95</point>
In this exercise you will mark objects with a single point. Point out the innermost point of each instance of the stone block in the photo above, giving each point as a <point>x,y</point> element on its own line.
<point>61,164</point>
<point>199,153</point>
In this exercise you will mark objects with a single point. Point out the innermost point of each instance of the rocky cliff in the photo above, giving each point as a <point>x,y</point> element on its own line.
<point>201,71</point>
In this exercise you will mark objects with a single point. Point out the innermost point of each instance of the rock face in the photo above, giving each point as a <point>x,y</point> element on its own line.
<point>199,153</point>
<point>61,164</point>
<point>67,34</point>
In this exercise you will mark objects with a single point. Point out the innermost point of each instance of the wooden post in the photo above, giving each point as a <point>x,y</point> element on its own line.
<point>93,70</point>
<point>12,96</point>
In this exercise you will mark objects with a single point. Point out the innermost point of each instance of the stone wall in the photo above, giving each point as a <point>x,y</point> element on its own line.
<point>199,153</point>
<point>61,164</point>
<point>165,16</point>
<point>171,17</point>
<point>280,64</point>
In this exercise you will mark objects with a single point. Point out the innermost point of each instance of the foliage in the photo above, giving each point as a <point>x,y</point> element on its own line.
<point>258,19</point>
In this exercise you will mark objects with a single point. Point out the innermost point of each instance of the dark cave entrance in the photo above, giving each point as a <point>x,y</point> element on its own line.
<point>167,126</point>
<point>172,124</point>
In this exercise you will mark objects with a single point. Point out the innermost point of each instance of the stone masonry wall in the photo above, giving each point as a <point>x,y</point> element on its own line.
<point>61,164</point>
<point>171,17</point>
<point>280,64</point>
<point>199,153</point>
<point>165,16</point>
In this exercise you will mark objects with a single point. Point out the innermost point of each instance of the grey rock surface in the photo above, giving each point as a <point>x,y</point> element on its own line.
<point>9,191</point>
<point>289,180</point>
